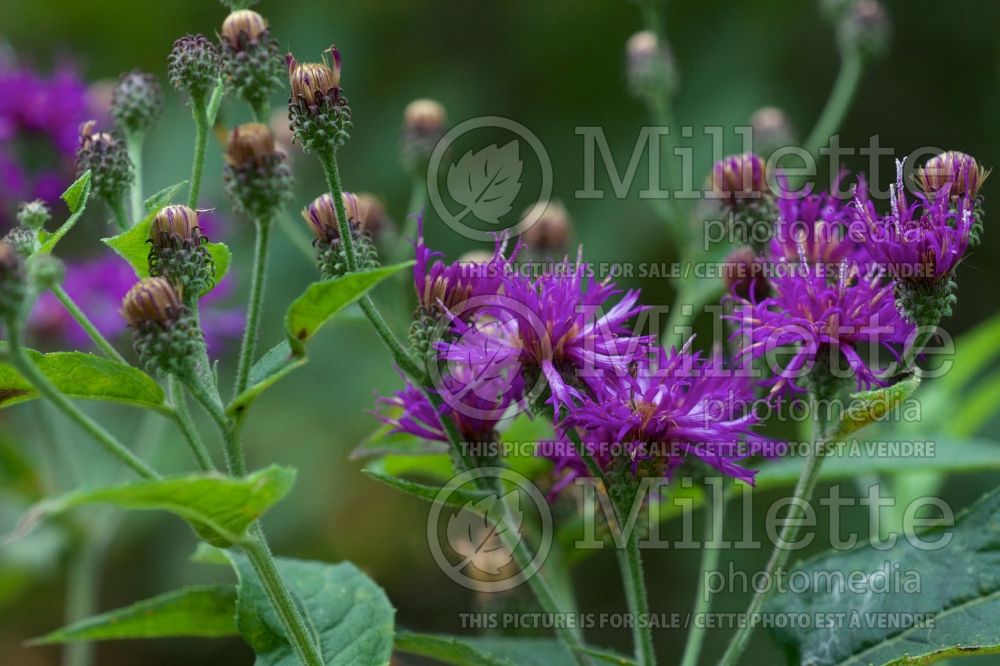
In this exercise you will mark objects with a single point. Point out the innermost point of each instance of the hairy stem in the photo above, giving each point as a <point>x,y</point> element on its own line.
<point>804,489</point>
<point>186,425</point>
<point>630,562</point>
<point>852,66</point>
<point>200,113</point>
<point>133,144</point>
<point>249,346</point>
<point>95,335</point>
<point>262,111</point>
<point>48,390</point>
<point>714,509</point>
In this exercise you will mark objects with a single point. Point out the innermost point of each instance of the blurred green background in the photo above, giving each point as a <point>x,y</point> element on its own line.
<point>552,66</point>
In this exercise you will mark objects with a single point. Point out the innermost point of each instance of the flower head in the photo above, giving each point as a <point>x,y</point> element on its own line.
<point>243,27</point>
<point>314,81</point>
<point>739,177</point>
<point>257,178</point>
<point>953,173</point>
<point>193,66</point>
<point>137,101</point>
<point>151,301</point>
<point>104,154</point>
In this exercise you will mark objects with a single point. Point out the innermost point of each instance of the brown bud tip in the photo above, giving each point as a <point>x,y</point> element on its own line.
<point>243,26</point>
<point>151,300</point>
<point>743,275</point>
<point>179,221</point>
<point>551,229</point>
<point>313,80</point>
<point>642,47</point>
<point>249,143</point>
<point>953,172</point>
<point>739,177</point>
<point>424,116</point>
<point>321,215</point>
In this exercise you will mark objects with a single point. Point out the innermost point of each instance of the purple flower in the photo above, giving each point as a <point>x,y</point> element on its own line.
<point>664,413</point>
<point>812,228</point>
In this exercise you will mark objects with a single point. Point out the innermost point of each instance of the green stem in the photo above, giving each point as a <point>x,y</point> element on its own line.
<point>133,144</point>
<point>630,562</point>
<point>249,346</point>
<point>804,489</point>
<point>187,427</point>
<point>714,509</point>
<point>296,630</point>
<point>118,210</point>
<point>418,199</point>
<point>200,113</point>
<point>852,66</point>
<point>95,336</point>
<point>215,101</point>
<point>262,112</point>
<point>210,401</point>
<point>82,577</point>
<point>42,384</point>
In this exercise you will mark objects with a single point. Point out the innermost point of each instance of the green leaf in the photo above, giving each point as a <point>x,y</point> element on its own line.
<point>321,300</point>
<point>958,598</point>
<point>76,197</point>
<point>475,651</point>
<point>207,611</point>
<point>219,508</point>
<point>133,246</point>
<point>163,197</point>
<point>869,406</point>
<point>271,368</point>
<point>83,376</point>
<point>458,497</point>
<point>350,614</point>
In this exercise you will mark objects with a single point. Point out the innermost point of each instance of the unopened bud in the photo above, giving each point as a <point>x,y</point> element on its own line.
<point>166,337</point>
<point>137,101</point>
<point>34,214</point>
<point>151,301</point>
<point>178,252</point>
<point>739,177</point>
<point>953,173</point>
<point>243,27</point>
<point>193,67</point>
<point>650,66</point>
<point>744,276</point>
<point>105,156</point>
<point>23,239</point>
<point>318,112</point>
<point>865,29</point>
<point>771,129</point>
<point>251,60</point>
<point>257,177</point>
<point>424,123</point>
<point>551,230</point>
<point>322,217</point>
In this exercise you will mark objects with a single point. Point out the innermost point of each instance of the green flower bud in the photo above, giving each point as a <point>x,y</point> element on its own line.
<point>257,178</point>
<point>166,337</point>
<point>318,112</point>
<point>321,215</point>
<point>424,123</point>
<point>137,101</point>
<point>650,67</point>
<point>193,67</point>
<point>865,29</point>
<point>178,251</point>
<point>34,214</point>
<point>251,60</point>
<point>46,271</point>
<point>13,282</point>
<point>22,239</point>
<point>105,155</point>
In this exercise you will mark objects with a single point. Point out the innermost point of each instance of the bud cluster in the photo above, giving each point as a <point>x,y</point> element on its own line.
<point>257,178</point>
<point>104,154</point>
<point>424,123</point>
<point>166,337</point>
<point>321,215</point>
<point>318,112</point>
<point>193,67</point>
<point>251,59</point>
<point>137,101</point>
<point>178,251</point>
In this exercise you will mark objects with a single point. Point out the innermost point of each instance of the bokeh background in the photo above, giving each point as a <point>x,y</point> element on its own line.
<point>552,66</point>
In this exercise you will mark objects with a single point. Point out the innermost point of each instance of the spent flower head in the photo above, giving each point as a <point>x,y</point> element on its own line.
<point>251,59</point>
<point>137,101</point>
<point>257,177</point>
<point>104,154</point>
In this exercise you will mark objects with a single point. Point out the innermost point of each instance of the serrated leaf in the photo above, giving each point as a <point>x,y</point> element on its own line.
<point>457,497</point>
<point>478,529</point>
<point>476,651</point>
<point>76,197</point>
<point>163,197</point>
<point>219,508</point>
<point>207,611</point>
<point>321,300</point>
<point>132,245</point>
<point>958,599</point>
<point>83,376</point>
<point>869,406</point>
<point>272,367</point>
<point>487,181</point>
<point>349,614</point>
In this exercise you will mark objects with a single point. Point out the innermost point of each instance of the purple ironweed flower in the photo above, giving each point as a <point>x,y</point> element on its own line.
<point>812,228</point>
<point>676,406</point>
<point>822,318</point>
<point>920,242</point>
<point>952,173</point>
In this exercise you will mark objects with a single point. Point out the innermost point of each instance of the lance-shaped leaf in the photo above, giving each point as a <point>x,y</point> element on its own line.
<point>321,300</point>
<point>207,611</point>
<point>350,615</point>
<point>133,246</point>
<point>219,508</point>
<point>459,497</point>
<point>75,196</point>
<point>83,376</point>
<point>869,406</point>
<point>487,181</point>
<point>278,362</point>
<point>906,604</point>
